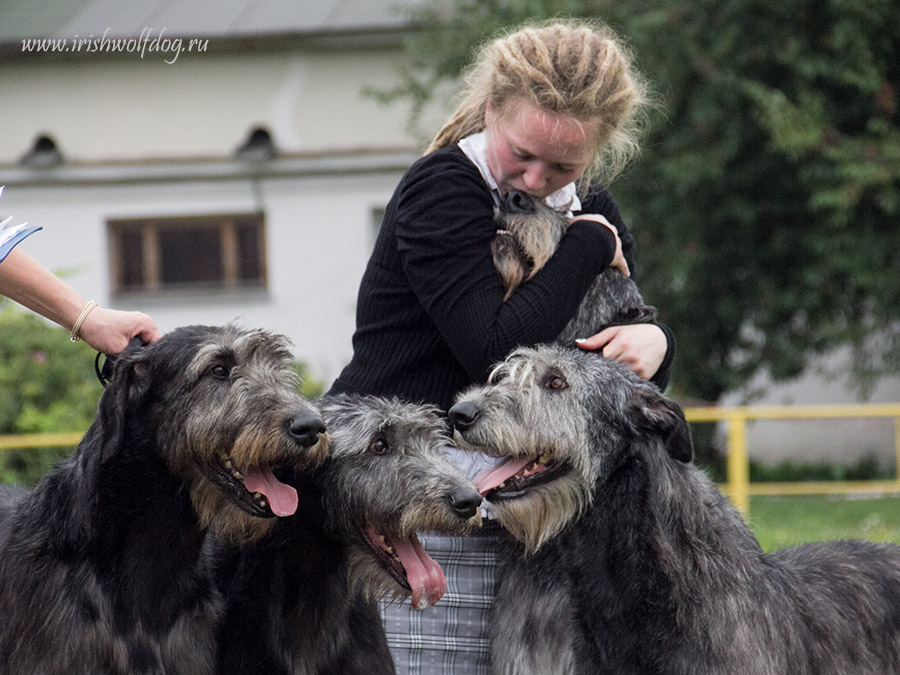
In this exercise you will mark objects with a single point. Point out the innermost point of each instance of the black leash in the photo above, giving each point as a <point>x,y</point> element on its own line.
<point>103,373</point>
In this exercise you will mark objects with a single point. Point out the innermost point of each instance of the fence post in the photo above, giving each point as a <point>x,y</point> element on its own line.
<point>738,464</point>
<point>897,447</point>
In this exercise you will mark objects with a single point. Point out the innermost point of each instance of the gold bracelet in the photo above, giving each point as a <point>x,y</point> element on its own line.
<point>81,317</point>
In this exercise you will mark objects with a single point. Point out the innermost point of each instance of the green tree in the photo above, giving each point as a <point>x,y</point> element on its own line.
<point>766,202</point>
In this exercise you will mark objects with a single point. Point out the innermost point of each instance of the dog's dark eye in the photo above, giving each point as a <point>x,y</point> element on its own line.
<point>220,371</point>
<point>555,382</point>
<point>379,446</point>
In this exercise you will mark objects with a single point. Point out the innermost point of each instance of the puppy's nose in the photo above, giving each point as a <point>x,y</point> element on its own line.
<point>517,201</point>
<point>464,502</point>
<point>305,427</point>
<point>463,415</point>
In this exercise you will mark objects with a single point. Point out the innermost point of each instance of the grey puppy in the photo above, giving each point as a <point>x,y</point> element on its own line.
<point>528,233</point>
<point>628,560</point>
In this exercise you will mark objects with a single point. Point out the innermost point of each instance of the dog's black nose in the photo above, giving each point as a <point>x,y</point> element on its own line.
<point>463,415</point>
<point>517,201</point>
<point>464,502</point>
<point>305,427</point>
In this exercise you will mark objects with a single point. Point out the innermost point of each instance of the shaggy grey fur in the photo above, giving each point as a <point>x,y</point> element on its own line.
<point>102,569</point>
<point>628,560</point>
<point>300,600</point>
<point>527,236</point>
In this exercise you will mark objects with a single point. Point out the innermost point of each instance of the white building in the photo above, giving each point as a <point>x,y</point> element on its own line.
<point>128,153</point>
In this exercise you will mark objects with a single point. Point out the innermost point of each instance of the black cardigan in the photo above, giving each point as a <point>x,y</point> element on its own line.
<point>430,316</point>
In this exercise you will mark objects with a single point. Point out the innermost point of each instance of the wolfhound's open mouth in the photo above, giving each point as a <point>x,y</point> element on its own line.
<point>514,476</point>
<point>410,566</point>
<point>255,489</point>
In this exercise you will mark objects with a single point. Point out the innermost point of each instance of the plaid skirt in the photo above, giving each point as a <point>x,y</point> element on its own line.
<point>449,638</point>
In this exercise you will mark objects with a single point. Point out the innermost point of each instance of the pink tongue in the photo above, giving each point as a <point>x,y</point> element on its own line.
<point>425,576</point>
<point>282,498</point>
<point>509,467</point>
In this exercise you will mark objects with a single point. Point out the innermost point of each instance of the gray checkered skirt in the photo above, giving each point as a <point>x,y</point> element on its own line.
<point>449,638</point>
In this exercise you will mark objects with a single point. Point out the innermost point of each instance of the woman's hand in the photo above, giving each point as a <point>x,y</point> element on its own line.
<point>639,346</point>
<point>618,261</point>
<point>110,330</point>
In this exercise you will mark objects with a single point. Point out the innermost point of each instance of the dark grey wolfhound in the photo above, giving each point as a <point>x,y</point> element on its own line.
<point>528,233</point>
<point>300,600</point>
<point>102,569</point>
<point>628,560</point>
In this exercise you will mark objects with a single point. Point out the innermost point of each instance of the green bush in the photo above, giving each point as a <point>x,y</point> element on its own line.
<point>310,388</point>
<point>47,384</point>
<point>866,468</point>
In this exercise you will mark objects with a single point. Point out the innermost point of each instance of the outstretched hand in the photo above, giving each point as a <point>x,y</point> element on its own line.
<point>109,331</point>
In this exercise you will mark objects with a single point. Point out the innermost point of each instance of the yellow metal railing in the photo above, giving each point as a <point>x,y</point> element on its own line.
<point>24,441</point>
<point>738,486</point>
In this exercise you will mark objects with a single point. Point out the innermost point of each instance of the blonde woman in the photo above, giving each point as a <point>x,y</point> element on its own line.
<point>550,110</point>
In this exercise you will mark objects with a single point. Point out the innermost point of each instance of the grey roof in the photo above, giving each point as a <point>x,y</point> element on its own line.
<point>194,18</point>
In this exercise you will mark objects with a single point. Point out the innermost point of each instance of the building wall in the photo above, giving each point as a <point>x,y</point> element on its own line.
<point>143,138</point>
<point>319,233</point>
<point>124,108</point>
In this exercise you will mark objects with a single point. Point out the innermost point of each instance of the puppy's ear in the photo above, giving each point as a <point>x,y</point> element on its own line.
<point>658,415</point>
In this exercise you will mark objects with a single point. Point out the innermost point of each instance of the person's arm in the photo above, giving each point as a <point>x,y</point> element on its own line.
<point>647,349</point>
<point>599,205</point>
<point>444,229</point>
<point>27,282</point>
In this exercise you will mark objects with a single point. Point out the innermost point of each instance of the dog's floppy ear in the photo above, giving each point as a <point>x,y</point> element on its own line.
<point>661,416</point>
<point>127,385</point>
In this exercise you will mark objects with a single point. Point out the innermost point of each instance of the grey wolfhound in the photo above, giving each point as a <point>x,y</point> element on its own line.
<point>102,566</point>
<point>528,234</point>
<point>628,560</point>
<point>300,600</point>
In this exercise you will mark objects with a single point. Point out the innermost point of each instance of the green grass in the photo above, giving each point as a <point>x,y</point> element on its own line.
<point>784,521</point>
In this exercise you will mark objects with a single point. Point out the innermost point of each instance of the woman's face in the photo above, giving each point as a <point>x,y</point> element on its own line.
<point>535,151</point>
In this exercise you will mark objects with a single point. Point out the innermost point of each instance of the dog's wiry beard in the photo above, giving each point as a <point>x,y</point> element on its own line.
<point>542,512</point>
<point>216,511</point>
<point>368,578</point>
